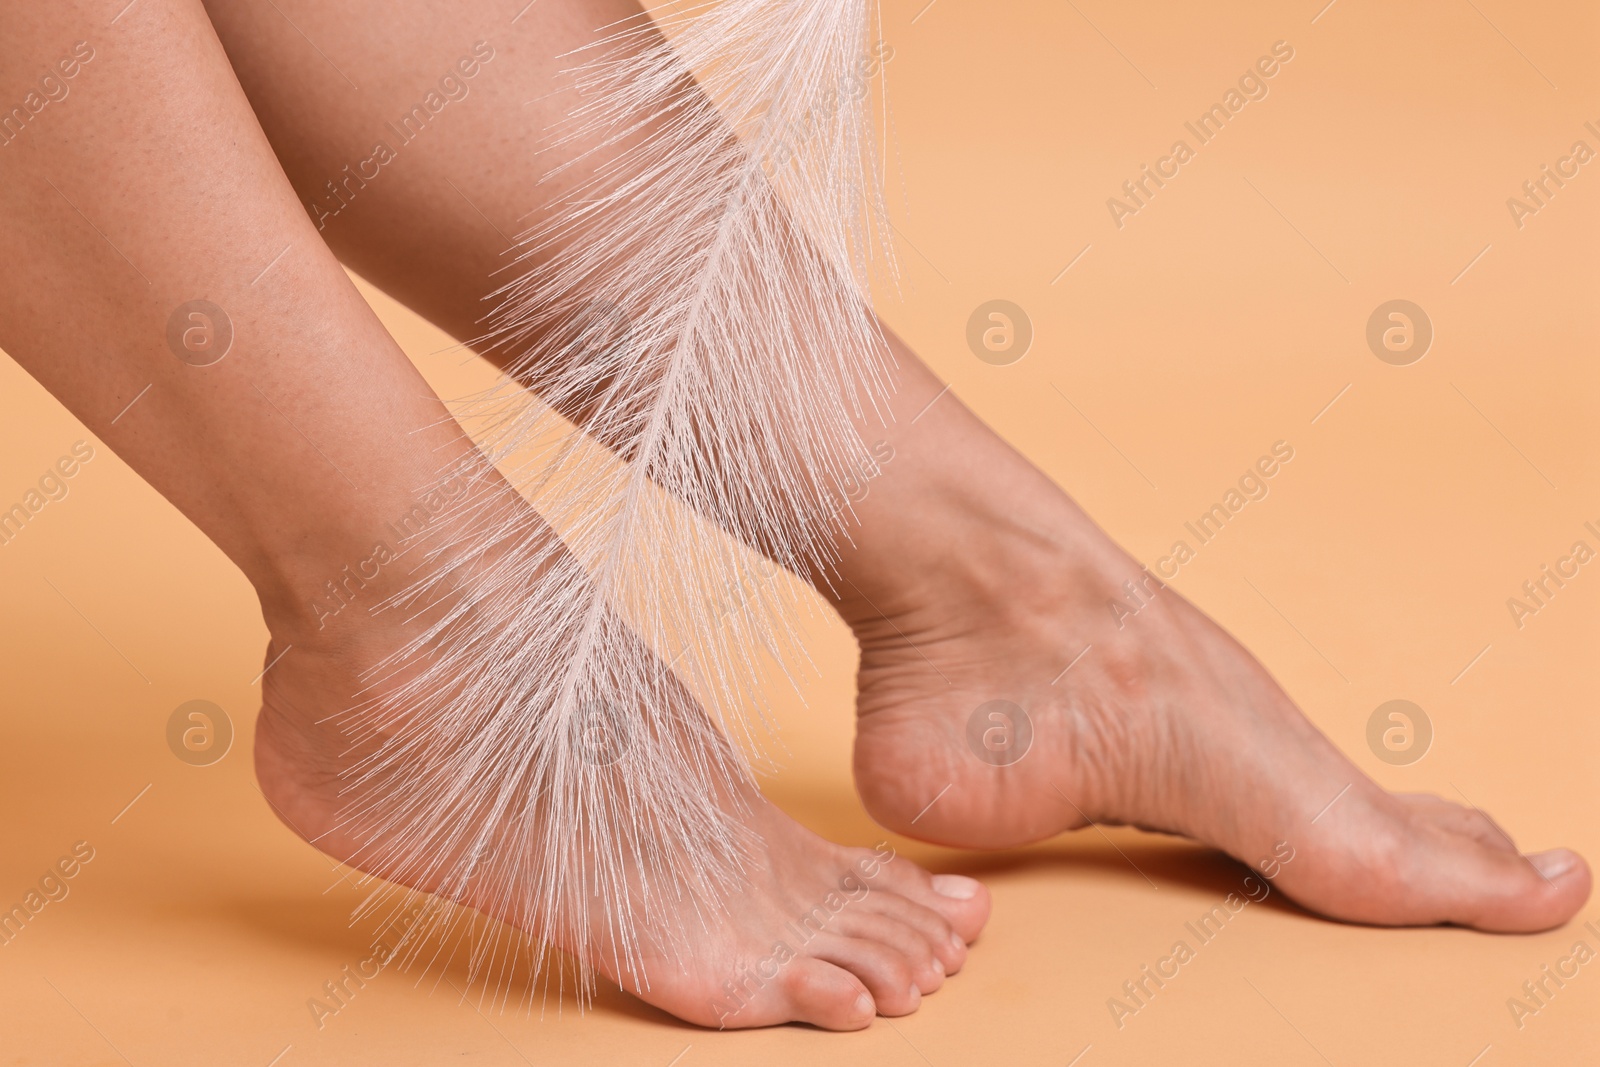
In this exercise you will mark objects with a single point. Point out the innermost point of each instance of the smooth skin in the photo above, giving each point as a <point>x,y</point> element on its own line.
<point>971,576</point>
<point>151,184</point>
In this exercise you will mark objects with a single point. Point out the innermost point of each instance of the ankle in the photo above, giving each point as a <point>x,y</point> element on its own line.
<point>323,590</point>
<point>309,597</point>
<point>989,535</point>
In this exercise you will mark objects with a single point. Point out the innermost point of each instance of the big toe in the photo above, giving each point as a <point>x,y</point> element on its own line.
<point>1509,892</point>
<point>1471,870</point>
<point>1404,863</point>
<point>963,902</point>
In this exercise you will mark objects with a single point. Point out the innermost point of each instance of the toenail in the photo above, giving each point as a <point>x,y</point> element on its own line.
<point>1553,863</point>
<point>864,1005</point>
<point>955,886</point>
<point>956,942</point>
<point>938,966</point>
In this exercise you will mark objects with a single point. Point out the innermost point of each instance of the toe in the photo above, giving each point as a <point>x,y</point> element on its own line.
<point>1459,865</point>
<point>1404,861</point>
<point>961,901</point>
<point>826,995</point>
<point>1461,871</point>
<point>1511,893</point>
<point>948,948</point>
<point>1470,822</point>
<point>888,975</point>
<point>887,928</point>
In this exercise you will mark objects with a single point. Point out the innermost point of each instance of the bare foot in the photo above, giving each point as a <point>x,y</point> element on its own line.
<point>819,933</point>
<point>975,580</point>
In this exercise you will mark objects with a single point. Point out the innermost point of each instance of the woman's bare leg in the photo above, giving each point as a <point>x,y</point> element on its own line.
<point>973,578</point>
<point>148,185</point>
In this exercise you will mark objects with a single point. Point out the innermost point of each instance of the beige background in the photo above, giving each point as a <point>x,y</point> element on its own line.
<point>1222,317</point>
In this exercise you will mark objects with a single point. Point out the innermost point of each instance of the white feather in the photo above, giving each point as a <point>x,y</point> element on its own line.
<point>699,300</point>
